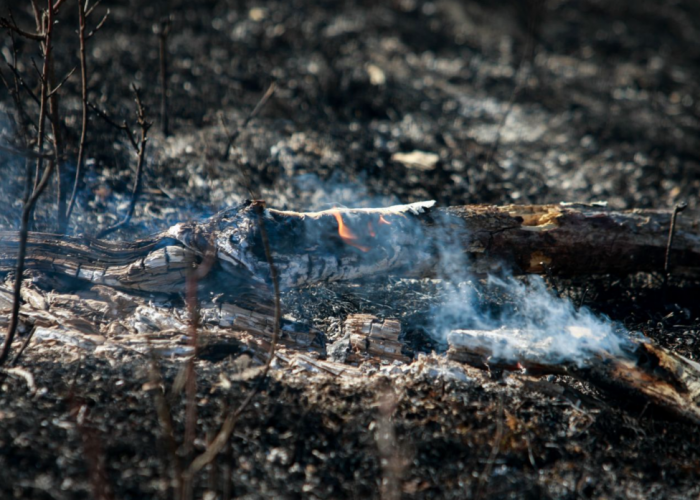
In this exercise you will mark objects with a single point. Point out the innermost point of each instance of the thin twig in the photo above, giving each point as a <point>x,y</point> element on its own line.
<point>256,110</point>
<point>19,272</point>
<point>65,79</point>
<point>671,232</point>
<point>37,15</point>
<point>55,121</point>
<point>119,126</point>
<point>221,439</point>
<point>99,25</point>
<point>194,276</point>
<point>521,79</point>
<point>164,417</point>
<point>43,99</point>
<point>162,30</point>
<point>141,151</point>
<point>21,81</point>
<point>11,25</point>
<point>486,474</point>
<point>84,103</point>
<point>30,335</point>
<point>91,9</point>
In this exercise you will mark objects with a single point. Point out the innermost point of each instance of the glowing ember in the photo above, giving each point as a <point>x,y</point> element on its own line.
<point>346,233</point>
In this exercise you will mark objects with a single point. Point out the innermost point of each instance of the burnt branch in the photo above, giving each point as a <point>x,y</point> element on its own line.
<point>27,210</point>
<point>11,24</point>
<point>123,127</point>
<point>92,9</point>
<point>162,31</point>
<point>255,112</point>
<point>82,15</point>
<point>99,25</point>
<point>58,87</point>
<point>140,148</point>
<point>20,81</point>
<point>219,442</point>
<point>26,153</point>
<point>165,420</point>
<point>194,276</point>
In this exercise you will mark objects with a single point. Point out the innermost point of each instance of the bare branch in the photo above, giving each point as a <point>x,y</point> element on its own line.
<point>256,110</point>
<point>91,9</point>
<point>162,30</point>
<point>29,205</point>
<point>222,438</point>
<point>119,126</point>
<point>99,25</point>
<point>65,79</point>
<point>39,72</point>
<point>141,151</point>
<point>20,81</point>
<point>37,15</point>
<point>82,15</point>
<point>19,272</point>
<point>164,416</point>
<point>26,153</point>
<point>9,24</point>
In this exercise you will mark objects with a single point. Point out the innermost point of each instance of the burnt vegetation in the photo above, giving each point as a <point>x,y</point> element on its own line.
<point>135,365</point>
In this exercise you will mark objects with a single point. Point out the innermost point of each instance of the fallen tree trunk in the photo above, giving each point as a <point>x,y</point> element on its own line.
<point>642,370</point>
<point>408,240</point>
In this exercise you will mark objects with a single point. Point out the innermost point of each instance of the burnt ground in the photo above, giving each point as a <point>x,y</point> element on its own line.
<point>602,102</point>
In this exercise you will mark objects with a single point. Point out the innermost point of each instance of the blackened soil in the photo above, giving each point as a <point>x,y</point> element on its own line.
<point>522,102</point>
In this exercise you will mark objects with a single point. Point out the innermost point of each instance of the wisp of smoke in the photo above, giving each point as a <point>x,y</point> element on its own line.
<point>526,307</point>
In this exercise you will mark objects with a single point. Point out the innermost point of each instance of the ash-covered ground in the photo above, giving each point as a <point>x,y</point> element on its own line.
<point>512,102</point>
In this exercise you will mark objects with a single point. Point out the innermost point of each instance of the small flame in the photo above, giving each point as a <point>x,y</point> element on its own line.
<point>382,220</point>
<point>346,233</point>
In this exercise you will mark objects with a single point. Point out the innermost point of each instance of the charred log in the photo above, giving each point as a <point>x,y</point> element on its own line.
<point>408,240</point>
<point>641,371</point>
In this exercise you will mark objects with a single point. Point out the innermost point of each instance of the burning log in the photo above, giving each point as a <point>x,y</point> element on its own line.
<point>640,369</point>
<point>349,244</point>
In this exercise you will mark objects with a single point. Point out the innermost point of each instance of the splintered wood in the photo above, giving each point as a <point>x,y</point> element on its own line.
<point>371,337</point>
<point>260,326</point>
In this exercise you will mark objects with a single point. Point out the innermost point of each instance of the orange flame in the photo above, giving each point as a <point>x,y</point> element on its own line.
<point>382,220</point>
<point>346,233</point>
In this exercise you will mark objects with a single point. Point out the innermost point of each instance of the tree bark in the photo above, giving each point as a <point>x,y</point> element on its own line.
<point>407,240</point>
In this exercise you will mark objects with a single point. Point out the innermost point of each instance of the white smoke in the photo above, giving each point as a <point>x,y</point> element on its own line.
<point>526,311</point>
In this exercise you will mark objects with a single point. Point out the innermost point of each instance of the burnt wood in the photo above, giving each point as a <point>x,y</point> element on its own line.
<point>349,244</point>
<point>641,370</point>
